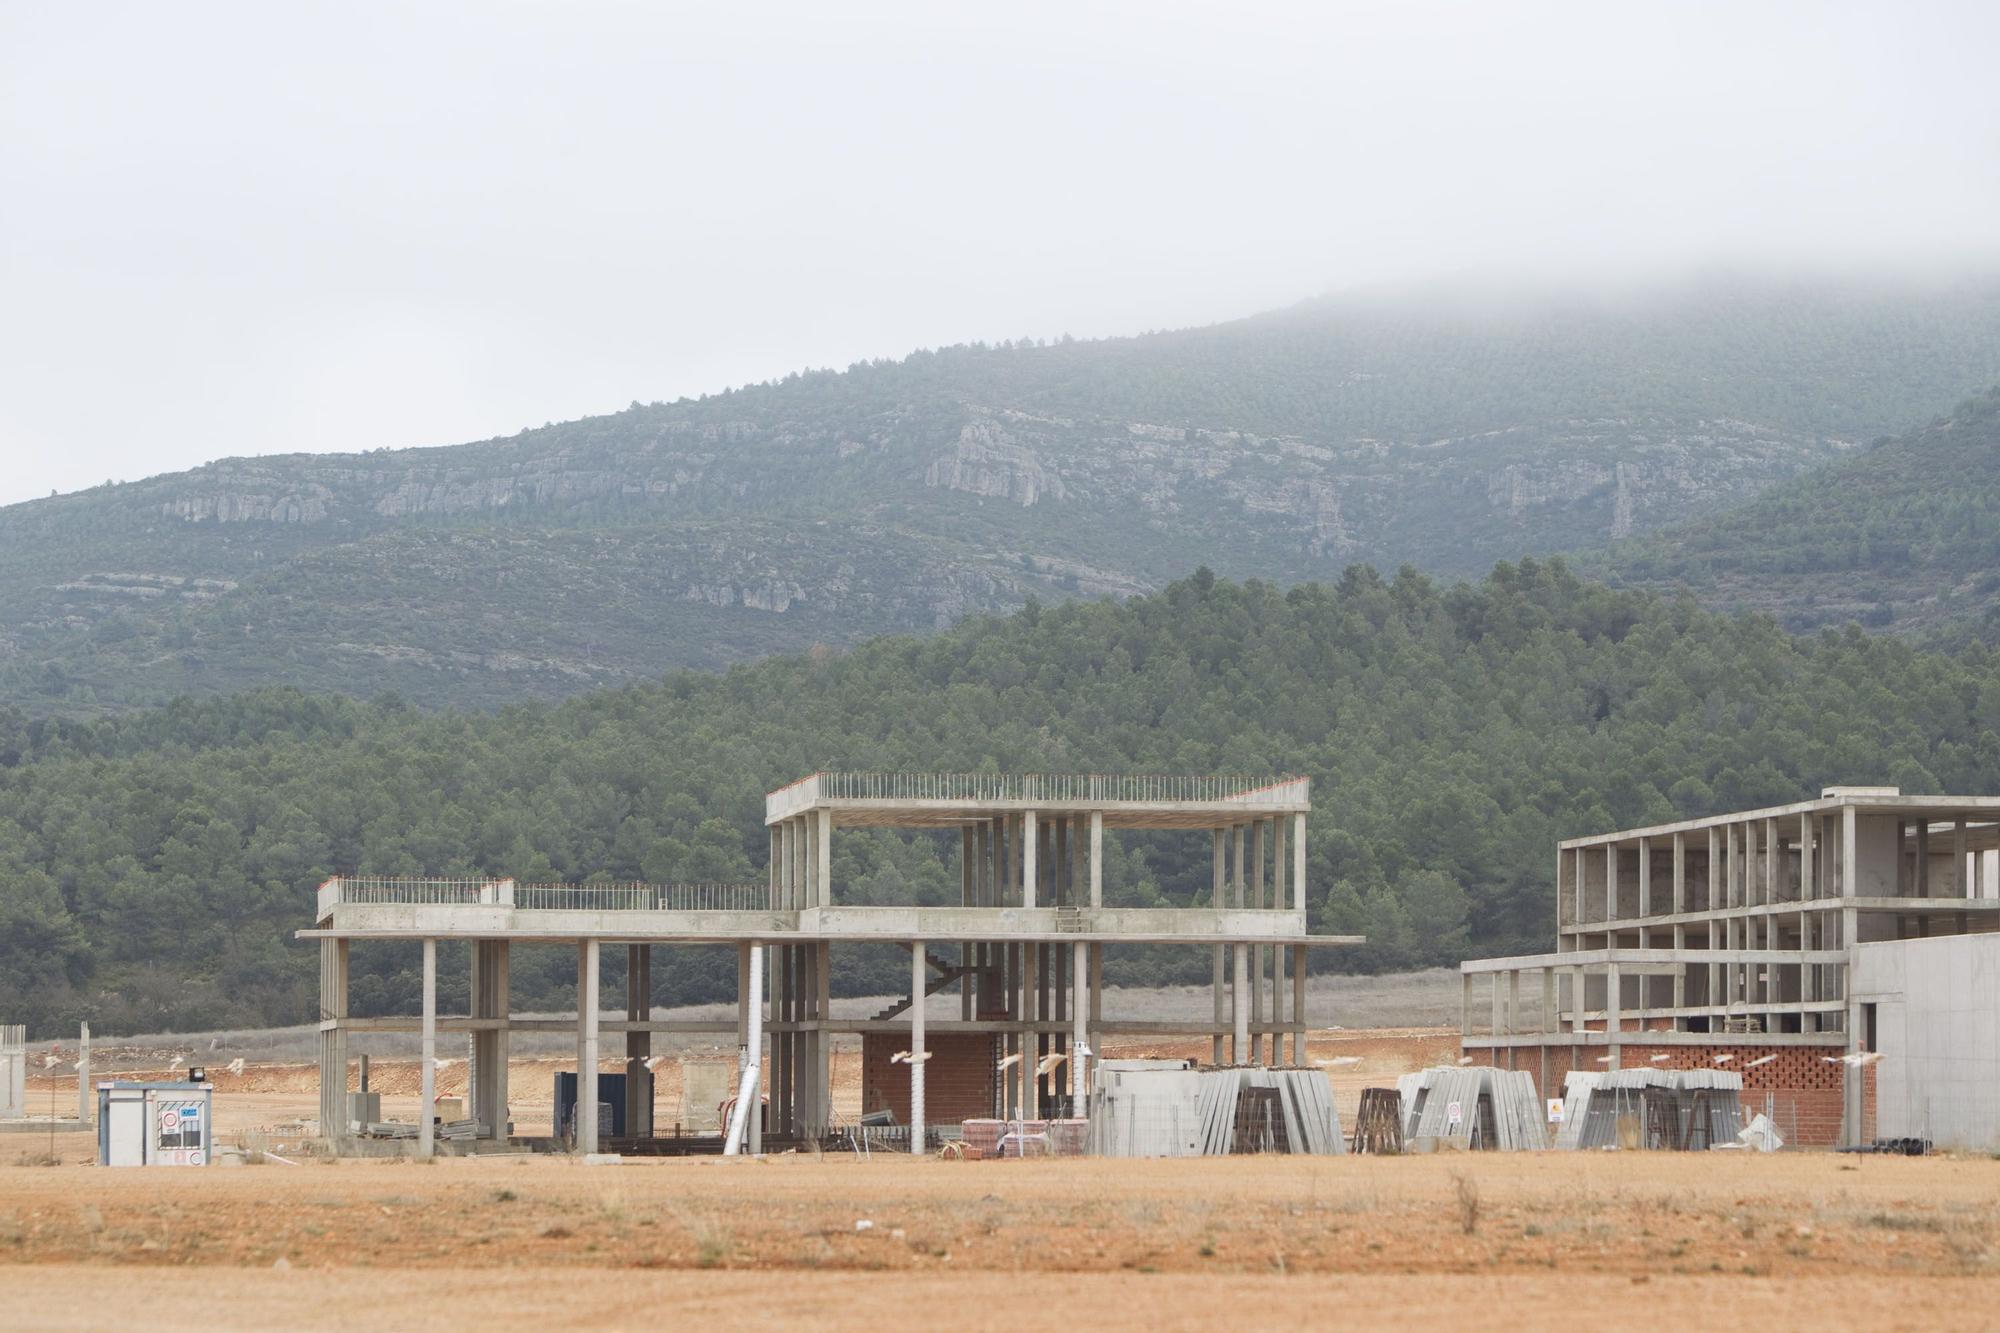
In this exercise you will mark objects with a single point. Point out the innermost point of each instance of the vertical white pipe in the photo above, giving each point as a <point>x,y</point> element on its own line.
<point>746,1087</point>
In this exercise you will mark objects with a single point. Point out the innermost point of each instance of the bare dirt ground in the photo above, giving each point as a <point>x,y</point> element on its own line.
<point>1508,1240</point>
<point>1787,1240</point>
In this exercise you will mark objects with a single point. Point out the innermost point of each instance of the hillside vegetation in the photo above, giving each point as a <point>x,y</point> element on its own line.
<point>1904,534</point>
<point>153,868</point>
<point>1441,428</point>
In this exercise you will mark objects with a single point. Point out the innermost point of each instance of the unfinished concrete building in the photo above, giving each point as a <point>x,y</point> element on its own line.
<point>1733,942</point>
<point>1022,950</point>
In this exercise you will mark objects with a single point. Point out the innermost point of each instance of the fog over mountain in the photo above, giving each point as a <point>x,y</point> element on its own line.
<point>239,229</point>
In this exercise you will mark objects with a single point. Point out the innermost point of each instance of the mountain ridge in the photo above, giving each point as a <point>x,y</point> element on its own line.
<point>897,496</point>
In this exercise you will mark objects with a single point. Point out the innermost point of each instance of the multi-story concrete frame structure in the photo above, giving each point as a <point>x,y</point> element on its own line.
<point>1022,949</point>
<point>1735,936</point>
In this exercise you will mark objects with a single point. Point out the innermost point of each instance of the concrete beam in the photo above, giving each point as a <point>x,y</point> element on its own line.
<point>427,1096</point>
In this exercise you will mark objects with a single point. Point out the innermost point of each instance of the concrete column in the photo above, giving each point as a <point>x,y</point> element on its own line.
<point>1850,1080</point>
<point>1497,1019</point>
<point>1240,1005</point>
<point>638,1042</point>
<point>1551,1020</point>
<point>1031,1012</point>
<point>1015,851</point>
<point>1728,898</point>
<point>1298,863</point>
<point>1254,897</point>
<point>1299,1005</point>
<point>1097,858</point>
<point>823,866</point>
<point>1807,883</point>
<point>1577,995</point>
<point>1028,867</point>
<point>787,863</point>
<point>1278,1033</point>
<point>1259,955</point>
<point>85,1106</point>
<point>917,983</point>
<point>1513,1005</point>
<point>503,1045</point>
<point>427,1077</point>
<point>1465,1004</point>
<point>822,1039</point>
<point>487,1075</point>
<point>1613,1003</point>
<point>333,1043</point>
<point>1611,881</point>
<point>1062,885</point>
<point>1096,996</point>
<point>1680,872</point>
<point>1645,880</point>
<point>759,994</point>
<point>1219,849</point>
<point>1237,865</point>
<point>1079,1036</point>
<point>1281,864</point>
<point>587,963</point>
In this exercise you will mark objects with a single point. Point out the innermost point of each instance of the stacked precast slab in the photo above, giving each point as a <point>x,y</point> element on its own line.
<point>1162,1108</point>
<point>1692,1108</point>
<point>1472,1108</point>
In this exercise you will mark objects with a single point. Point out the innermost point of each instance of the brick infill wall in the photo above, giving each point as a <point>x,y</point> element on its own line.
<point>1799,1090</point>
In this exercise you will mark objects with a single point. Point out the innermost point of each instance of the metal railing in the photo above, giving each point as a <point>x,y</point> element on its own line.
<point>412,889</point>
<point>1054,788</point>
<point>637,897</point>
<point>427,891</point>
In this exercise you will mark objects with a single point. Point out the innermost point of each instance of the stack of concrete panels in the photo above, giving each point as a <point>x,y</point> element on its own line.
<point>1472,1107</point>
<point>1268,1110</point>
<point>1145,1108</point>
<point>1668,1108</point>
<point>1162,1108</point>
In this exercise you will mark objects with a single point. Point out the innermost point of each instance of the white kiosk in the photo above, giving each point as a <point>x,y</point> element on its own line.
<point>155,1124</point>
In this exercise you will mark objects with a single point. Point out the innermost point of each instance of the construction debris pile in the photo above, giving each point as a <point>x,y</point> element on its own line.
<point>1472,1108</point>
<point>1689,1110</point>
<point>1023,1138</point>
<point>1163,1108</point>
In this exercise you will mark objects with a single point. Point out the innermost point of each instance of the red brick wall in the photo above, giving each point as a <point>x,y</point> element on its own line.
<point>1802,1088</point>
<point>958,1078</point>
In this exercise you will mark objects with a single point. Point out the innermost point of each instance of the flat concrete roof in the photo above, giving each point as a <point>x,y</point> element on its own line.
<point>952,800</point>
<point>1865,800</point>
<point>864,924</point>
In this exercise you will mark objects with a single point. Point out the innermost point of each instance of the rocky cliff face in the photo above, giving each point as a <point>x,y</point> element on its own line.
<point>898,497</point>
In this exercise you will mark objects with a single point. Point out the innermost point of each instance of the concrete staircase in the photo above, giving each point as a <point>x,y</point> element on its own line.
<point>947,974</point>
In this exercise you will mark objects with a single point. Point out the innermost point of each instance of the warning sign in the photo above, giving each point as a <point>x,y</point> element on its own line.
<point>1555,1110</point>
<point>1453,1113</point>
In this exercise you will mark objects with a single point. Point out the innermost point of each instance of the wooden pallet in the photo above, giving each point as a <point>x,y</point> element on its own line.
<point>1378,1128</point>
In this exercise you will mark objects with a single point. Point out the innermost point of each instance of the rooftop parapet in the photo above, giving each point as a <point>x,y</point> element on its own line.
<point>1075,791</point>
<point>423,891</point>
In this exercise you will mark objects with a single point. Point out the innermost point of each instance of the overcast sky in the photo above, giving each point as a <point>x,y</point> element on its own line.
<point>272,227</point>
